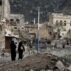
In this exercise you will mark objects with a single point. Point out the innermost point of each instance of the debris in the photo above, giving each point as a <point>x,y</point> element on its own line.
<point>60,65</point>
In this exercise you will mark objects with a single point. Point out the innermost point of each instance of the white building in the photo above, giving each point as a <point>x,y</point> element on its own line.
<point>19,18</point>
<point>62,22</point>
<point>6,12</point>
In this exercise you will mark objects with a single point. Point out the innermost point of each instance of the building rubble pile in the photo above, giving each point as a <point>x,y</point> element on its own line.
<point>42,62</point>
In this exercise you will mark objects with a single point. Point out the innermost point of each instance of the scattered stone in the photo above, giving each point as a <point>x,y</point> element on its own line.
<point>60,65</point>
<point>34,62</point>
<point>69,68</point>
<point>31,70</point>
<point>7,54</point>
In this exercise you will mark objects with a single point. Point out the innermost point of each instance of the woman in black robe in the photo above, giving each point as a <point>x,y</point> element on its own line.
<point>13,51</point>
<point>21,49</point>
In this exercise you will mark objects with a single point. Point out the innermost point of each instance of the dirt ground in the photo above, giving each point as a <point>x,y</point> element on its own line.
<point>41,61</point>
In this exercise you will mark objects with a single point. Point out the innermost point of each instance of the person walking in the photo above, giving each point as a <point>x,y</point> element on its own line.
<point>13,50</point>
<point>30,47</point>
<point>21,49</point>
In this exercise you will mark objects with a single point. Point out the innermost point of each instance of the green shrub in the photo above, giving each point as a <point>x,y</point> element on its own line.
<point>37,69</point>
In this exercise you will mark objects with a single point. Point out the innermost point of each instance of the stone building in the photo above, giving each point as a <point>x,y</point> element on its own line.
<point>6,11</point>
<point>7,33</point>
<point>8,24</point>
<point>45,31</point>
<point>61,23</point>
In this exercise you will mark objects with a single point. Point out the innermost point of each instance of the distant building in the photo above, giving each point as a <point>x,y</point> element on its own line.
<point>6,12</point>
<point>45,31</point>
<point>18,18</point>
<point>61,23</point>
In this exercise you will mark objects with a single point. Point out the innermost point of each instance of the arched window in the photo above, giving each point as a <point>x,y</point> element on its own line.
<point>61,23</point>
<point>15,27</point>
<point>17,20</point>
<point>11,20</point>
<point>56,23</point>
<point>69,31</point>
<point>64,23</point>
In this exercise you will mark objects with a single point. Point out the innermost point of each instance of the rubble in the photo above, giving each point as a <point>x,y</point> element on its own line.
<point>69,68</point>
<point>60,65</point>
<point>39,62</point>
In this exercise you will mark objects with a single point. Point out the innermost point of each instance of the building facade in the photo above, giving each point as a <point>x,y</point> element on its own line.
<point>61,23</point>
<point>6,11</point>
<point>44,31</point>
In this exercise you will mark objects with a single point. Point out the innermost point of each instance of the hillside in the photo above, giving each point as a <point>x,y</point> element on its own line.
<point>29,8</point>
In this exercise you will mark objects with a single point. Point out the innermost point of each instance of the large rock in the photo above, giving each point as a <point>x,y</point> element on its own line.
<point>69,68</point>
<point>60,65</point>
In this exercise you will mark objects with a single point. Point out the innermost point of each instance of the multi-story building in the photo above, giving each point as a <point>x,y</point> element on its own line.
<point>7,12</point>
<point>61,23</point>
<point>9,22</point>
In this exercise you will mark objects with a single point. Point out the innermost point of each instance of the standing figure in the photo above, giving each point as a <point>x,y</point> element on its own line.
<point>21,49</point>
<point>30,47</point>
<point>13,51</point>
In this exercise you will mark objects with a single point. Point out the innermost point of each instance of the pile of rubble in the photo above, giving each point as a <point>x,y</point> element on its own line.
<point>38,62</point>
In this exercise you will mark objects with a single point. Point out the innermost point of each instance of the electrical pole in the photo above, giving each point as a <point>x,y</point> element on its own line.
<point>38,27</point>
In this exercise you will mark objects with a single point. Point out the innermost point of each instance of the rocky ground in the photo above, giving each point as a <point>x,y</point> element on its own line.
<point>45,60</point>
<point>35,62</point>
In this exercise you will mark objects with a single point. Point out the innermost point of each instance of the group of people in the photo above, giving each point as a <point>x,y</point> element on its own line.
<point>20,50</point>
